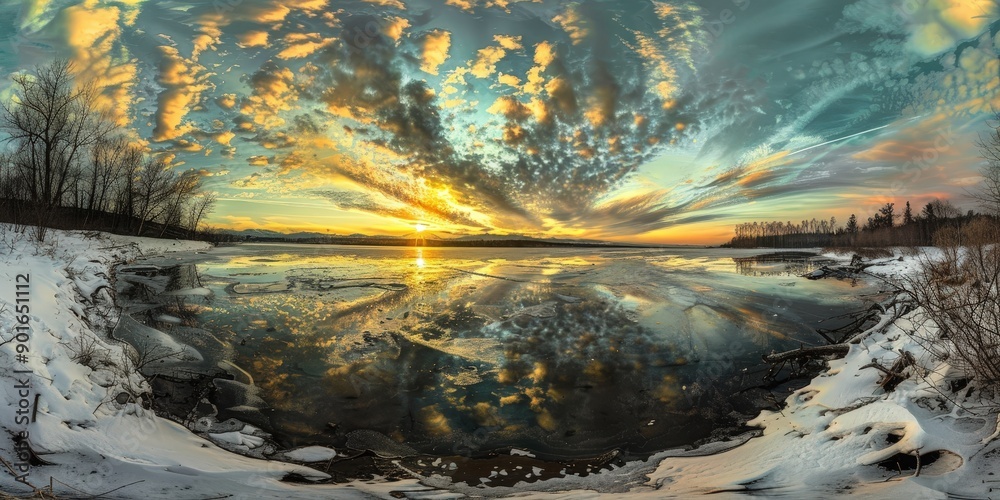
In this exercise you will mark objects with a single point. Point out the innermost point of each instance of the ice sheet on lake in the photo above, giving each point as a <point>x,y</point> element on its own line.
<point>378,443</point>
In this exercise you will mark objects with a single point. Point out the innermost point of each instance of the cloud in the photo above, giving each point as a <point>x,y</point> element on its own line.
<point>95,52</point>
<point>539,115</point>
<point>397,4</point>
<point>394,27</point>
<point>257,38</point>
<point>434,46</point>
<point>226,101</point>
<point>258,161</point>
<point>299,45</point>
<point>485,62</point>
<point>251,181</point>
<point>571,21</point>
<point>183,81</point>
<point>273,91</point>
<point>931,26</point>
<point>465,5</point>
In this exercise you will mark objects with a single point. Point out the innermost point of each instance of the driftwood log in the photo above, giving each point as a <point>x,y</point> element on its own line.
<point>807,352</point>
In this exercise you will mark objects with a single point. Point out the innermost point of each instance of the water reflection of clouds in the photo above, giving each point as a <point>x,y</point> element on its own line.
<point>559,348</point>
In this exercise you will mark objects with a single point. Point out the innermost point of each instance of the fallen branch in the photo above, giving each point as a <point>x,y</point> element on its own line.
<point>893,375</point>
<point>807,352</point>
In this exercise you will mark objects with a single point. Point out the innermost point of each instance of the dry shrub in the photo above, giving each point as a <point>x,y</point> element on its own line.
<point>873,252</point>
<point>960,292</point>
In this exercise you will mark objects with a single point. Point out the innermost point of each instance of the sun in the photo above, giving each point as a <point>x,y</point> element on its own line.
<point>420,227</point>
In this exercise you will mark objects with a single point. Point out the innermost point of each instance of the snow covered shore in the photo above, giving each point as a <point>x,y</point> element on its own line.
<point>90,423</point>
<point>833,433</point>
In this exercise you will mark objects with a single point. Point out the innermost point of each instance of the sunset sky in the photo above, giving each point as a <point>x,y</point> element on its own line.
<point>634,120</point>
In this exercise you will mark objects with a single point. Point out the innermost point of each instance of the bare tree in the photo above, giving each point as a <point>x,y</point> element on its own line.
<point>152,191</point>
<point>199,208</point>
<point>988,192</point>
<point>181,190</point>
<point>50,122</point>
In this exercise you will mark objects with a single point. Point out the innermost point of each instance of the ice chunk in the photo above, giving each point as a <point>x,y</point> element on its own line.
<point>238,438</point>
<point>311,454</point>
<point>199,291</point>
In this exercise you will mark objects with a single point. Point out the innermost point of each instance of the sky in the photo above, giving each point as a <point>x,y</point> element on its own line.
<point>642,121</point>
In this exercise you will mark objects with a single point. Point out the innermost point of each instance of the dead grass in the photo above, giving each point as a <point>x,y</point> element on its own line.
<point>960,293</point>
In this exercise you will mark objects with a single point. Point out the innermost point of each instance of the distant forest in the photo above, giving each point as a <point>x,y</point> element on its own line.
<point>887,227</point>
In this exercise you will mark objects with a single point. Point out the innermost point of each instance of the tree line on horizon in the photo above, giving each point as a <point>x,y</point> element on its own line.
<point>886,227</point>
<point>67,164</point>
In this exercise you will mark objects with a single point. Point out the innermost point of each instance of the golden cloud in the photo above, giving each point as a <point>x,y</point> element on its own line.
<point>94,56</point>
<point>509,80</point>
<point>252,39</point>
<point>508,42</point>
<point>937,25</point>
<point>573,24</point>
<point>435,45</point>
<point>394,27</point>
<point>488,57</point>
<point>465,5</point>
<point>302,45</point>
<point>388,3</point>
<point>183,81</point>
<point>226,101</point>
<point>258,161</point>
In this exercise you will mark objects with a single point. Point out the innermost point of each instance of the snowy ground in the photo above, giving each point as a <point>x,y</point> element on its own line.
<point>91,426</point>
<point>88,423</point>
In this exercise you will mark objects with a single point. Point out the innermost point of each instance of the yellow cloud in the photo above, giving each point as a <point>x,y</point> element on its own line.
<point>388,3</point>
<point>302,45</point>
<point>465,5</point>
<point>573,24</point>
<point>183,82</point>
<point>273,92</point>
<point>435,45</point>
<point>91,33</point>
<point>224,137</point>
<point>486,60</point>
<point>509,80</point>
<point>661,71</point>
<point>508,42</point>
<point>488,57</point>
<point>394,27</point>
<point>226,101</point>
<point>544,55</point>
<point>258,161</point>
<point>252,39</point>
<point>938,25</point>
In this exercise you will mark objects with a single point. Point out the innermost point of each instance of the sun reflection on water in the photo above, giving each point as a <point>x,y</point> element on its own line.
<point>562,346</point>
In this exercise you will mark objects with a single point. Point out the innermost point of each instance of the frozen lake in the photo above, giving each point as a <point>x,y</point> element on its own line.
<point>567,352</point>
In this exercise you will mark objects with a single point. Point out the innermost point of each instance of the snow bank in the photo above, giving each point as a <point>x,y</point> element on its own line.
<point>832,436</point>
<point>90,422</point>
